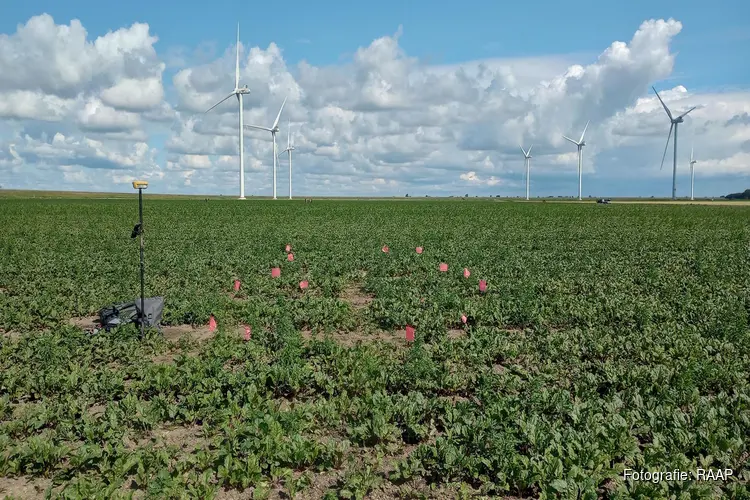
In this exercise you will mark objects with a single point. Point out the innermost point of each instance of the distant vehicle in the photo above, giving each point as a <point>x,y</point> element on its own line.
<point>603,201</point>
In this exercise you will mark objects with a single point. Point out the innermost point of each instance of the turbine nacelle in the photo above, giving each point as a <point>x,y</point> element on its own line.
<point>580,142</point>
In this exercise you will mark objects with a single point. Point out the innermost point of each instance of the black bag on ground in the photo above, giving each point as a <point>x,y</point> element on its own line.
<point>129,312</point>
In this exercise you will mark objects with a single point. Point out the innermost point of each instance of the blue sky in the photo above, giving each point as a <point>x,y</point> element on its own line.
<point>709,54</point>
<point>712,46</point>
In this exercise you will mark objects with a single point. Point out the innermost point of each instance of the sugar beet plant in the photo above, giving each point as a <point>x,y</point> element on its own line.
<point>609,337</point>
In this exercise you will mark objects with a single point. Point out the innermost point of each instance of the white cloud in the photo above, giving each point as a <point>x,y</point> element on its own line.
<point>96,111</point>
<point>95,116</point>
<point>473,178</point>
<point>59,60</point>
<point>134,94</point>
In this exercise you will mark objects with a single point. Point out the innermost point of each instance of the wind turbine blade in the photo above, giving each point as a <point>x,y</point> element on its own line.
<point>529,151</point>
<point>666,146</point>
<point>584,132</point>
<point>212,107</point>
<point>571,140</point>
<point>288,133</point>
<point>523,150</point>
<point>686,112</point>
<point>258,128</point>
<point>275,124</point>
<point>669,113</point>
<point>691,153</point>
<point>237,65</point>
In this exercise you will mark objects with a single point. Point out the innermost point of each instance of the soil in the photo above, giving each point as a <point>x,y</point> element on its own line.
<point>97,410</point>
<point>356,297</point>
<point>23,487</point>
<point>350,339</point>
<point>171,332</point>
<point>175,332</point>
<point>185,438</point>
<point>10,334</point>
<point>456,333</point>
<point>85,322</point>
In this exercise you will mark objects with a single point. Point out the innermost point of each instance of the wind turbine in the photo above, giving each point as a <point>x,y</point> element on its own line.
<point>289,149</point>
<point>527,160</point>
<point>274,129</point>
<point>580,143</point>
<point>674,122</point>
<point>692,172</point>
<point>239,92</point>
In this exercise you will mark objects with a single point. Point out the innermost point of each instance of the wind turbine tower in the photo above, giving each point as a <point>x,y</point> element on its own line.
<point>580,143</point>
<point>673,125</point>
<point>239,92</point>
<point>692,173</point>
<point>289,149</point>
<point>274,130</point>
<point>527,160</point>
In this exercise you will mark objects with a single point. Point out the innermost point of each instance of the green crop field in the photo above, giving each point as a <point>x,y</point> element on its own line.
<point>608,338</point>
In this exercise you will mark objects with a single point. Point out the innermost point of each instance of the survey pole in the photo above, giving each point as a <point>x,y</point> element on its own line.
<point>140,186</point>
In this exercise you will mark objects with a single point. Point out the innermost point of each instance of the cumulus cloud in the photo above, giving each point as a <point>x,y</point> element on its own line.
<point>384,122</point>
<point>473,178</point>
<point>95,95</point>
<point>60,60</point>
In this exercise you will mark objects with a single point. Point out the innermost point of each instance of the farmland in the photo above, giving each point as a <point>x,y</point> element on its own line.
<point>609,337</point>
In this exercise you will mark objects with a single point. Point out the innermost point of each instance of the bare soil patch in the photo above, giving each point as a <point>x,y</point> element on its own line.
<point>356,297</point>
<point>97,410</point>
<point>197,333</point>
<point>165,359</point>
<point>175,332</point>
<point>350,339</point>
<point>10,334</point>
<point>223,494</point>
<point>85,322</point>
<point>456,333</point>
<point>171,332</point>
<point>23,487</point>
<point>185,438</point>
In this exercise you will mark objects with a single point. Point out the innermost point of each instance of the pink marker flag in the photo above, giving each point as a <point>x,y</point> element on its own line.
<point>236,285</point>
<point>290,257</point>
<point>288,248</point>
<point>482,285</point>
<point>248,332</point>
<point>275,272</point>
<point>409,333</point>
<point>467,273</point>
<point>443,267</point>
<point>419,250</point>
<point>303,284</point>
<point>385,249</point>
<point>212,324</point>
<point>463,319</point>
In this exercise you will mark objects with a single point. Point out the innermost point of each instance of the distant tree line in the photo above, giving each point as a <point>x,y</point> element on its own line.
<point>745,195</point>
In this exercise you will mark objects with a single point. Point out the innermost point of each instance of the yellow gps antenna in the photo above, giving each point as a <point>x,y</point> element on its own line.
<point>138,231</point>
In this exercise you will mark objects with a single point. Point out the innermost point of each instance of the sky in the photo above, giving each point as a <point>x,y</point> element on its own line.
<point>420,98</point>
